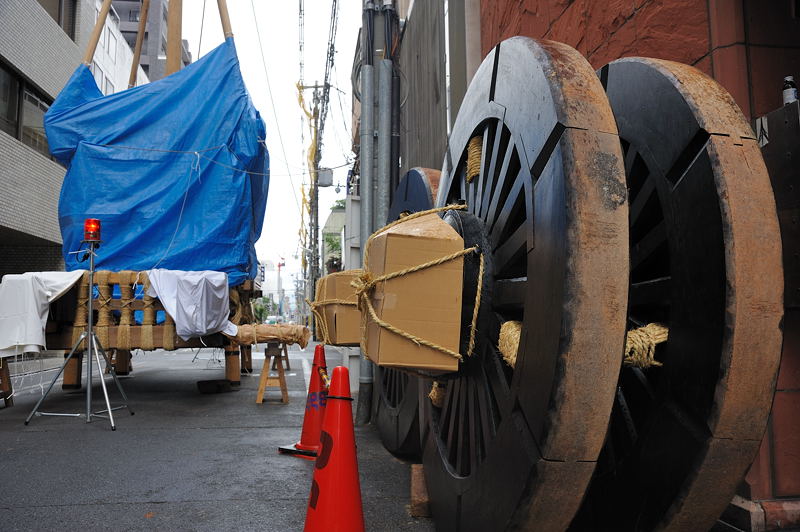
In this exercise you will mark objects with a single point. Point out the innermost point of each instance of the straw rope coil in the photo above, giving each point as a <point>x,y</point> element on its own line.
<point>436,395</point>
<point>127,296</point>
<point>168,339</point>
<point>82,309</point>
<point>474,148</point>
<point>508,343</point>
<point>103,310</point>
<point>365,285</point>
<point>640,345</point>
<point>148,317</point>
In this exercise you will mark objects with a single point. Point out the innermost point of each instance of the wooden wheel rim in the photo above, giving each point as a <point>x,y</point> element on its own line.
<point>684,434</point>
<point>559,215</point>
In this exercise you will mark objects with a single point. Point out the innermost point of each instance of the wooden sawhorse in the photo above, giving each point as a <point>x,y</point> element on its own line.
<point>277,352</point>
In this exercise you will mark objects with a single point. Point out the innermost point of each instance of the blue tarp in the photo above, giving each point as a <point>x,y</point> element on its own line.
<point>176,170</point>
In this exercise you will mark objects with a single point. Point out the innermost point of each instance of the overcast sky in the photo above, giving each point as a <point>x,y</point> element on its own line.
<point>277,23</point>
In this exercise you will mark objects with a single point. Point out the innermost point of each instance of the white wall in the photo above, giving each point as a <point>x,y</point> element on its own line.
<point>113,57</point>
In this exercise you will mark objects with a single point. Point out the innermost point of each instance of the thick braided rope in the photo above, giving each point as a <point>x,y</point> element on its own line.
<point>404,219</point>
<point>416,339</point>
<point>365,284</point>
<point>477,306</point>
<point>640,345</point>
<point>474,148</point>
<point>323,325</point>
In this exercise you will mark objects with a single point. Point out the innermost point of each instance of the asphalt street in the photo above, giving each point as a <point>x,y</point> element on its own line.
<point>185,461</point>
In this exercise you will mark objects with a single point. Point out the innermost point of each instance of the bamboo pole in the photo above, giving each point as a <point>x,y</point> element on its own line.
<point>174,36</point>
<point>96,32</point>
<point>225,18</point>
<point>137,51</point>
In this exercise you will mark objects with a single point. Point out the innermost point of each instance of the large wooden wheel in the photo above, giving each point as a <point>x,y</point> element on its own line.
<point>516,446</point>
<point>706,261</point>
<point>397,405</point>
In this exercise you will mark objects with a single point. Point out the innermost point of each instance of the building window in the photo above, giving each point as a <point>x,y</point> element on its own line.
<point>22,109</point>
<point>133,15</point>
<point>9,102</point>
<point>112,47</point>
<point>98,75</point>
<point>33,109</point>
<point>63,12</point>
<point>109,88</point>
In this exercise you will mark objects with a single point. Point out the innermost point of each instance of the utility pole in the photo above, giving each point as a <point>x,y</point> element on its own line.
<point>312,251</point>
<point>281,264</point>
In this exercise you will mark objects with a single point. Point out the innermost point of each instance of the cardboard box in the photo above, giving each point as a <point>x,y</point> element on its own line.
<point>343,321</point>
<point>426,304</point>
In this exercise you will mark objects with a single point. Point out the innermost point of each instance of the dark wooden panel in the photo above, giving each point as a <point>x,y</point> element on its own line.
<point>423,119</point>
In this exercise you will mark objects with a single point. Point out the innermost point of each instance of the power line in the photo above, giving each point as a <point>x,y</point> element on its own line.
<point>272,103</point>
<point>330,58</point>
<point>202,23</point>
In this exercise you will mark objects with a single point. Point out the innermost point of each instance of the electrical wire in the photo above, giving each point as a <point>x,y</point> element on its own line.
<point>272,103</point>
<point>202,23</point>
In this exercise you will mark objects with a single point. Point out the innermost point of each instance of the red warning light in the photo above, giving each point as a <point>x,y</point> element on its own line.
<point>91,230</point>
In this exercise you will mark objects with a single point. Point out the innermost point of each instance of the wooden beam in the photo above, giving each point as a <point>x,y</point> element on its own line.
<point>96,32</point>
<point>137,50</point>
<point>174,36</point>
<point>225,18</point>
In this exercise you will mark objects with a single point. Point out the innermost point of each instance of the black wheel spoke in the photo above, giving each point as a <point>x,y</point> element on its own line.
<point>511,249</point>
<point>653,292</point>
<point>645,247</point>
<point>490,207</point>
<point>513,203</point>
<point>642,197</point>
<point>509,294</point>
<point>484,179</point>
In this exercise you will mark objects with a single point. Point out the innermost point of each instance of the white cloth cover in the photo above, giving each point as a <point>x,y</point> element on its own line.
<point>24,304</point>
<point>197,301</point>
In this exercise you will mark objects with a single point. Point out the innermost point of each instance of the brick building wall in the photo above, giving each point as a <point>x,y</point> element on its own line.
<point>747,45</point>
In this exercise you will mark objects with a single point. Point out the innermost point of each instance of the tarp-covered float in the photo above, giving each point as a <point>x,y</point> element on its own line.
<point>177,170</point>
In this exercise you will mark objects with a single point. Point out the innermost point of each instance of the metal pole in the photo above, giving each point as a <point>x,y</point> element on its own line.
<point>103,384</point>
<point>314,205</point>
<point>384,140</point>
<point>394,172</point>
<point>137,50</point>
<point>367,156</point>
<point>174,36</point>
<point>367,153</point>
<point>90,336</point>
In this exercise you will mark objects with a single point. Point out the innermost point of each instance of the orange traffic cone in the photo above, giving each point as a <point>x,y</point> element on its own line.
<point>335,500</point>
<point>308,446</point>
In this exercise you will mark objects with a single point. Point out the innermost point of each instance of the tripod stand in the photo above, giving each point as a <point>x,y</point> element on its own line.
<point>93,349</point>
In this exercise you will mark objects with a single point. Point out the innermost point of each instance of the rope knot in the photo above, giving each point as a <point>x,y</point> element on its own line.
<point>364,284</point>
<point>640,345</point>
